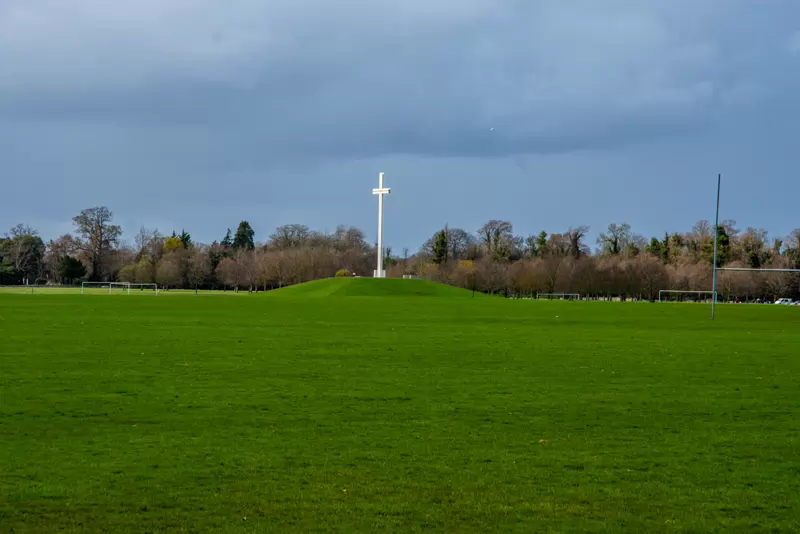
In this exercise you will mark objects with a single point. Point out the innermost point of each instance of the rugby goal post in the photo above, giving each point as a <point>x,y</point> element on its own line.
<point>715,267</point>
<point>664,292</point>
<point>118,286</point>
<point>558,296</point>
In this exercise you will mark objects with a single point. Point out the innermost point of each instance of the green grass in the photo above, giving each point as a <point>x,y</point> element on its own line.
<point>117,291</point>
<point>255,414</point>
<point>371,287</point>
<point>330,287</point>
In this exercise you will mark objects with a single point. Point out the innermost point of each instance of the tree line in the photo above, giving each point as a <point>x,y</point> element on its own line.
<point>493,259</point>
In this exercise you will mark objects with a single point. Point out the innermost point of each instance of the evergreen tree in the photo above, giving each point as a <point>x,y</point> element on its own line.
<point>227,242</point>
<point>244,237</point>
<point>654,248</point>
<point>665,252</point>
<point>777,246</point>
<point>440,248</point>
<point>388,260</point>
<point>70,269</point>
<point>8,273</point>
<point>186,238</point>
<point>723,248</point>
<point>541,243</point>
<point>217,253</point>
<point>675,245</point>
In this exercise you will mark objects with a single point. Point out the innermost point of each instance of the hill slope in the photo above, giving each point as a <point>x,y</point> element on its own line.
<point>371,287</point>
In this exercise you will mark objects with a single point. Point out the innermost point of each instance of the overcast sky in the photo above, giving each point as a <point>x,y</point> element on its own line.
<point>197,114</point>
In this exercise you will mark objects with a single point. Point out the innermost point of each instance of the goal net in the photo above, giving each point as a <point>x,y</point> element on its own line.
<point>117,288</point>
<point>558,296</point>
<point>676,295</point>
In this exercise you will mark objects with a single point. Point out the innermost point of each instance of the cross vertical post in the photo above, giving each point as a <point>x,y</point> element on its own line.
<point>381,192</point>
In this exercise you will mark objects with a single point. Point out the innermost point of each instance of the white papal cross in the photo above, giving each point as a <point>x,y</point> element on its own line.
<point>381,192</point>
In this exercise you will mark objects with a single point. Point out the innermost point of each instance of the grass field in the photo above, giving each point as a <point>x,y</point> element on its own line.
<point>321,409</point>
<point>117,291</point>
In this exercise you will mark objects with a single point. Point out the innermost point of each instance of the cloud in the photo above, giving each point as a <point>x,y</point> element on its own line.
<point>361,78</point>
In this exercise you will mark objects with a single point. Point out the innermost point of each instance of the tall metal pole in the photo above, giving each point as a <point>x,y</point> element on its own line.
<point>716,248</point>
<point>380,230</point>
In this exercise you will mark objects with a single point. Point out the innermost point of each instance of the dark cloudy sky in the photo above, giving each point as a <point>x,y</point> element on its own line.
<point>199,113</point>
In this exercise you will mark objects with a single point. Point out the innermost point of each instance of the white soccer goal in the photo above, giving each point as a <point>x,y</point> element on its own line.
<point>118,287</point>
<point>558,296</point>
<point>684,296</point>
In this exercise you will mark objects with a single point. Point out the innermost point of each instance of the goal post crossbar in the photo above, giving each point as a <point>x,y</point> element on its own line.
<point>142,286</point>
<point>745,269</point>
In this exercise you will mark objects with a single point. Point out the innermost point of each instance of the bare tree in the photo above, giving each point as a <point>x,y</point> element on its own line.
<point>149,243</point>
<point>752,247</point>
<point>168,272</point>
<point>249,267</point>
<point>117,259</point>
<point>575,236</point>
<point>523,279</point>
<point>551,266</point>
<point>348,238</point>
<point>793,241</point>
<point>289,236</point>
<point>775,286</point>
<point>458,240</point>
<point>57,250</point>
<point>26,253</point>
<point>21,230</point>
<point>582,276</point>
<point>535,245</point>
<point>492,275</point>
<point>96,237</point>
<point>229,273</point>
<point>497,238</point>
<point>703,232</point>
<point>142,239</point>
<point>729,226</point>
<point>145,272</point>
<point>652,275</point>
<point>635,246</point>
<point>127,274</point>
<point>792,248</point>
<point>491,260</point>
<point>275,269</point>
<point>733,284</point>
<point>199,268</point>
<point>616,239</point>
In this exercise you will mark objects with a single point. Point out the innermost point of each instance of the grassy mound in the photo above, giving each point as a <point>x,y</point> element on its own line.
<point>372,287</point>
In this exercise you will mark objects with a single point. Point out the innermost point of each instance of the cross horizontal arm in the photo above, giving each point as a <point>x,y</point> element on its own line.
<point>384,191</point>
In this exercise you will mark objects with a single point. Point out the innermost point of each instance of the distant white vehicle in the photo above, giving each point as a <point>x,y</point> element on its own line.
<point>785,302</point>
